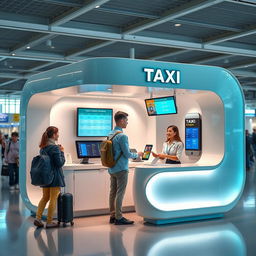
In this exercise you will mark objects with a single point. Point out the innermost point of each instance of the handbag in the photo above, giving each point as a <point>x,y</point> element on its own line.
<point>5,170</point>
<point>17,160</point>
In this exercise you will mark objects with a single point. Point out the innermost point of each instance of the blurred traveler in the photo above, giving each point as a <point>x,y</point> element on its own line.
<point>11,156</point>
<point>248,149</point>
<point>254,141</point>
<point>2,147</point>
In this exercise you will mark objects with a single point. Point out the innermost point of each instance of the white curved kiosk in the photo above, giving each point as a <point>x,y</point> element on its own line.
<point>203,186</point>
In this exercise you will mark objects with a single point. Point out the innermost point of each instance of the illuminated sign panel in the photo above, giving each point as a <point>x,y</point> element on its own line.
<point>163,76</point>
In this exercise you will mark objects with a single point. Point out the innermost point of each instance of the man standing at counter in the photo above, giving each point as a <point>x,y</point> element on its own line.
<point>119,172</point>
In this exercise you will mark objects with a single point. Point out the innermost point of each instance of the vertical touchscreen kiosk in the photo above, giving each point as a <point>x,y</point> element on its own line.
<point>193,129</point>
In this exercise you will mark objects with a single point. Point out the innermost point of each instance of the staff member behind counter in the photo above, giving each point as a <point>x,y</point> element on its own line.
<point>172,147</point>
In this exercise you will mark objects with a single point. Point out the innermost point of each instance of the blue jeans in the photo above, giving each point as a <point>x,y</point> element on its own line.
<point>13,174</point>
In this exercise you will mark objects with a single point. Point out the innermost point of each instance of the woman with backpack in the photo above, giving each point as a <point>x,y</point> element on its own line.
<point>50,192</point>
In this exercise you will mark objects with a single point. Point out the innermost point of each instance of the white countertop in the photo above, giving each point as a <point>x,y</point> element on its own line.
<point>145,164</point>
<point>93,166</point>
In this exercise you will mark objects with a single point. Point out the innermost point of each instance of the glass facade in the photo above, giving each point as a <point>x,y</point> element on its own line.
<point>10,104</point>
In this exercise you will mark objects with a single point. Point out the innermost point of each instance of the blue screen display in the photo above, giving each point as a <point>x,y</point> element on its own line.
<point>88,149</point>
<point>161,106</point>
<point>94,122</point>
<point>192,138</point>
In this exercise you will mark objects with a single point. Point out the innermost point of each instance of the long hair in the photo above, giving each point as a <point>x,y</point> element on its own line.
<point>50,131</point>
<point>176,130</point>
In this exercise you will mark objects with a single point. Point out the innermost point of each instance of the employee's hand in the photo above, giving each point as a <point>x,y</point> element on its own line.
<point>161,156</point>
<point>61,148</point>
<point>154,154</point>
<point>140,154</point>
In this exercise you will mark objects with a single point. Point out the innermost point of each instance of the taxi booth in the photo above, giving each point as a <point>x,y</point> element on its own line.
<point>209,112</point>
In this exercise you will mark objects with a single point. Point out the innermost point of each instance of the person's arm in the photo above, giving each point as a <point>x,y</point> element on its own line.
<point>172,157</point>
<point>124,144</point>
<point>5,152</point>
<point>164,156</point>
<point>58,156</point>
<point>158,155</point>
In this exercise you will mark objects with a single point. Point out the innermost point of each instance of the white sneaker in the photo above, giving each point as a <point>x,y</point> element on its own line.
<point>17,187</point>
<point>12,188</point>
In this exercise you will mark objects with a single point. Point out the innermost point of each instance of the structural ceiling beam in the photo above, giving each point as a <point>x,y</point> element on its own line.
<point>172,14</point>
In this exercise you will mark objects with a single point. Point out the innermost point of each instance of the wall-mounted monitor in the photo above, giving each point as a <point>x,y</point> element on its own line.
<point>161,106</point>
<point>94,122</point>
<point>88,149</point>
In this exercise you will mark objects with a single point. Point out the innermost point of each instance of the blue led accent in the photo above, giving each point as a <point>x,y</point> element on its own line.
<point>185,219</point>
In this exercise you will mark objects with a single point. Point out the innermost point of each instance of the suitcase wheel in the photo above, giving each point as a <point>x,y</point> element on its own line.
<point>58,222</point>
<point>72,223</point>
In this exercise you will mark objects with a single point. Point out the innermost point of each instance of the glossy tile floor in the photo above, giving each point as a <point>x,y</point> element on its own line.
<point>235,234</point>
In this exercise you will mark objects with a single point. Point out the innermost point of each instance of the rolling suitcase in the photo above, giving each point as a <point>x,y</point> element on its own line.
<point>65,209</point>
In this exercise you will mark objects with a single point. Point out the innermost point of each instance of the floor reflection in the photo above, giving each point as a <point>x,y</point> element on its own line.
<point>221,240</point>
<point>116,240</point>
<point>13,217</point>
<point>46,246</point>
<point>234,234</point>
<point>66,241</point>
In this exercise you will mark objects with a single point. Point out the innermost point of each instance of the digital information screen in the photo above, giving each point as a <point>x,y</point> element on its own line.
<point>192,138</point>
<point>161,106</point>
<point>94,122</point>
<point>192,134</point>
<point>88,149</point>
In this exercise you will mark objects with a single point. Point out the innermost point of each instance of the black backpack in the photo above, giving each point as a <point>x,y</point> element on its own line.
<point>41,171</point>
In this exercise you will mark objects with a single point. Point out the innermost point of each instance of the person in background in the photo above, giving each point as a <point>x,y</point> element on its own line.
<point>248,150</point>
<point>172,147</point>
<point>254,141</point>
<point>50,192</point>
<point>6,137</point>
<point>2,147</point>
<point>11,156</point>
<point>119,172</point>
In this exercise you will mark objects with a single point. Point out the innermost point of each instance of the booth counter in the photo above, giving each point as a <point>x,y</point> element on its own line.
<point>210,180</point>
<point>89,184</point>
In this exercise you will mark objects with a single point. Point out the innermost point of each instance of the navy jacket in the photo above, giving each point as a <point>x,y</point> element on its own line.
<point>57,161</point>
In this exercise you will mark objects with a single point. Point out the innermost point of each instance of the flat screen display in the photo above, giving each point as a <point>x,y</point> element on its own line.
<point>88,149</point>
<point>193,134</point>
<point>161,106</point>
<point>192,138</point>
<point>94,122</point>
<point>147,151</point>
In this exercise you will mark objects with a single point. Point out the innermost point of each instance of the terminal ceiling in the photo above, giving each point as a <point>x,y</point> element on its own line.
<point>39,35</point>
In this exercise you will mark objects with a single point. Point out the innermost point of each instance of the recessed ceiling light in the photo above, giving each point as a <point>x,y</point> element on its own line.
<point>49,42</point>
<point>97,6</point>
<point>13,54</point>
<point>177,24</point>
<point>28,47</point>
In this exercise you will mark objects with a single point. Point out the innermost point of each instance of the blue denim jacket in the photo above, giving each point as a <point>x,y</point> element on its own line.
<point>121,144</point>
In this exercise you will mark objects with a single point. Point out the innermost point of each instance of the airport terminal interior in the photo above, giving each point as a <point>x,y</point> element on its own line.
<point>73,64</point>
